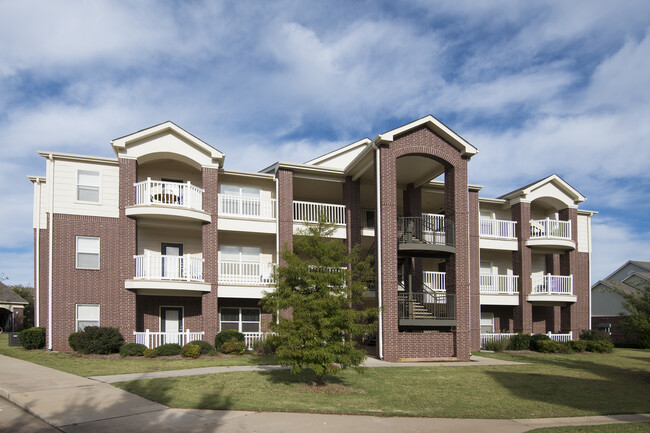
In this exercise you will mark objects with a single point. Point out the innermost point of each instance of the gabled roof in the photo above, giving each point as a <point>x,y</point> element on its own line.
<point>616,286</point>
<point>8,296</point>
<point>354,148</point>
<point>642,275</point>
<point>554,179</point>
<point>120,144</point>
<point>645,265</point>
<point>436,126</point>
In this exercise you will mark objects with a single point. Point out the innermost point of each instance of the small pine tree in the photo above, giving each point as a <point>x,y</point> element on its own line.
<point>321,285</point>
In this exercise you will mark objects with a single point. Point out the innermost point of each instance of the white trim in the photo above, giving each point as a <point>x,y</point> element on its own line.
<point>240,320</point>
<point>76,314</point>
<point>50,270</point>
<point>160,307</point>
<point>98,186</point>
<point>77,251</point>
<point>378,235</point>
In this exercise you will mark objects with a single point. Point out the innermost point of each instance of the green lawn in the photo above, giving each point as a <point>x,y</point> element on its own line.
<point>549,386</point>
<point>638,427</point>
<point>98,367</point>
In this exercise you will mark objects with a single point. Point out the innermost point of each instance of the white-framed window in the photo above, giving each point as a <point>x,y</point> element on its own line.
<point>241,319</point>
<point>241,200</point>
<point>487,322</point>
<point>88,186</point>
<point>369,218</point>
<point>87,252</point>
<point>86,315</point>
<point>240,254</point>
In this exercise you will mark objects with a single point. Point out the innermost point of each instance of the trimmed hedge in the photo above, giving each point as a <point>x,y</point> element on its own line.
<point>577,345</point>
<point>32,338</point>
<point>132,349</point>
<point>498,345</point>
<point>191,351</point>
<point>97,340</point>
<point>535,339</point>
<point>170,349</point>
<point>595,335</point>
<point>550,346</point>
<point>150,353</point>
<point>520,341</point>
<point>233,347</point>
<point>227,335</point>
<point>599,346</point>
<point>206,348</point>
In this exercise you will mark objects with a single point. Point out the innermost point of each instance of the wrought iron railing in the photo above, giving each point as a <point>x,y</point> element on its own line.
<point>425,230</point>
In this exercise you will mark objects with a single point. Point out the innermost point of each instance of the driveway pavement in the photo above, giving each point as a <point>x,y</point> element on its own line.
<point>74,404</point>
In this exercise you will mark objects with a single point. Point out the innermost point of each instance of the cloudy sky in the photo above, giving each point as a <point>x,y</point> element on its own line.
<point>539,87</point>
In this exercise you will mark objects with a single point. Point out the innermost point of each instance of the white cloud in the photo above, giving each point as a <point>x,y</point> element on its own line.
<point>614,243</point>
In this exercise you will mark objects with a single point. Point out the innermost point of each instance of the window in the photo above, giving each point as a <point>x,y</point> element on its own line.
<point>369,219</point>
<point>87,315</point>
<point>241,200</point>
<point>487,323</point>
<point>87,252</point>
<point>241,319</point>
<point>88,186</point>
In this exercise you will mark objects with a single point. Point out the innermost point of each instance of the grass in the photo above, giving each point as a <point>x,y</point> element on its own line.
<point>637,427</point>
<point>549,386</point>
<point>85,366</point>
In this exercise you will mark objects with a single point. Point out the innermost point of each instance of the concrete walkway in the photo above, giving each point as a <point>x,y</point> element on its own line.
<point>74,404</point>
<point>475,361</point>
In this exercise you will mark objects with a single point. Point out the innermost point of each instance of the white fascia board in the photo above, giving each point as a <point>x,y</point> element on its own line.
<point>80,158</point>
<point>267,176</point>
<point>587,212</point>
<point>558,182</point>
<point>492,200</point>
<point>34,179</point>
<point>307,169</point>
<point>337,152</point>
<point>120,144</point>
<point>435,125</point>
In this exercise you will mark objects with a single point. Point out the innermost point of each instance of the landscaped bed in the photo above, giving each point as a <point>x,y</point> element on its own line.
<point>96,365</point>
<point>550,385</point>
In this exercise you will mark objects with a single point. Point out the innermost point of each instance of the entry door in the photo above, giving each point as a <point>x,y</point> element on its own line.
<point>172,261</point>
<point>171,320</point>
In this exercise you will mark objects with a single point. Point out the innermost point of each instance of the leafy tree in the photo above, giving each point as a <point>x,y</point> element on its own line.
<point>637,320</point>
<point>320,285</point>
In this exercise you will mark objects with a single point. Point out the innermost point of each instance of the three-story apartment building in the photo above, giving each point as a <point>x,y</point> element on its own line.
<point>168,245</point>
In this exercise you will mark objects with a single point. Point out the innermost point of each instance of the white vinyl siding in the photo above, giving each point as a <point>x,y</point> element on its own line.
<point>66,183</point>
<point>87,252</point>
<point>241,319</point>
<point>86,315</point>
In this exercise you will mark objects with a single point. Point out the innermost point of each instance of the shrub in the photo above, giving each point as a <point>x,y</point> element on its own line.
<point>32,338</point>
<point>536,338</point>
<point>233,347</point>
<point>520,342</point>
<point>96,339</point>
<point>150,353</point>
<point>497,345</point>
<point>595,335</point>
<point>191,351</point>
<point>131,349</point>
<point>170,349</point>
<point>267,345</point>
<point>599,346</point>
<point>550,346</point>
<point>205,347</point>
<point>227,335</point>
<point>577,345</point>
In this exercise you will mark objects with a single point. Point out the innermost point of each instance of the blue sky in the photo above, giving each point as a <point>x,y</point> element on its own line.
<point>539,87</point>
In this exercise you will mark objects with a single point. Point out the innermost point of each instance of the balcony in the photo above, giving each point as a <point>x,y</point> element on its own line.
<point>550,233</point>
<point>169,200</point>
<point>238,279</point>
<point>246,207</point>
<point>498,234</point>
<point>434,281</point>
<point>552,288</point>
<point>426,309</point>
<point>310,212</point>
<point>429,235</point>
<point>163,272</point>
<point>499,289</point>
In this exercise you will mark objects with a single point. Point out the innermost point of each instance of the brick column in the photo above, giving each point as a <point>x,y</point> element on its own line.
<point>126,299</point>
<point>285,209</point>
<point>458,271</point>
<point>474,273</point>
<point>575,316</point>
<point>521,265</point>
<point>352,202</point>
<point>210,247</point>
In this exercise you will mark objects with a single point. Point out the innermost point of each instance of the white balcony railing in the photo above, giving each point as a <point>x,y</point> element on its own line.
<point>247,207</point>
<point>163,193</point>
<point>501,229</point>
<point>310,212</point>
<point>549,228</point>
<point>552,284</point>
<point>155,339</point>
<point>493,284</point>
<point>233,272</point>
<point>158,267</point>
<point>252,338</point>
<point>485,338</point>
<point>434,280</point>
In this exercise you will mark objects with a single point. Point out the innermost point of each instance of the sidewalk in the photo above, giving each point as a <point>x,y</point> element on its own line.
<point>78,405</point>
<point>476,361</point>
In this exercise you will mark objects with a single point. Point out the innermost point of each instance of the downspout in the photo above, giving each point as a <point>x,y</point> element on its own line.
<point>469,271</point>
<point>589,246</point>
<point>277,232</point>
<point>37,264</point>
<point>49,277</point>
<point>378,236</point>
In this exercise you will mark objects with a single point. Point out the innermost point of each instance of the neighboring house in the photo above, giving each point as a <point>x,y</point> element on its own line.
<point>12,307</point>
<point>163,239</point>
<point>607,305</point>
